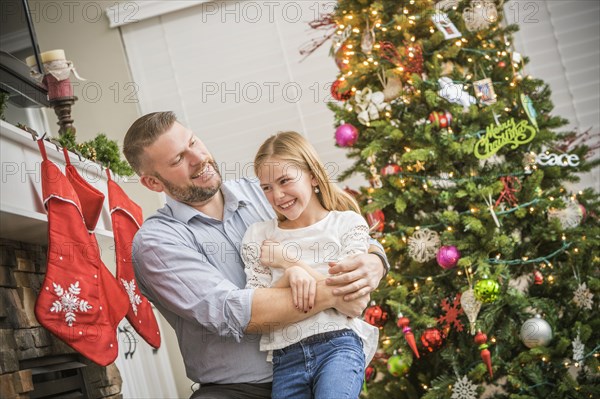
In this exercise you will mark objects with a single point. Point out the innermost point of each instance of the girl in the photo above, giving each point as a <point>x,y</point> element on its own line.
<point>325,355</point>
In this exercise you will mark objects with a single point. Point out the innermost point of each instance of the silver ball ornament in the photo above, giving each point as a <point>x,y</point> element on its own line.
<point>536,332</point>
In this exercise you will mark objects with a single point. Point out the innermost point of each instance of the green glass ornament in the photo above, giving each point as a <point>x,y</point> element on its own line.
<point>487,290</point>
<point>399,364</point>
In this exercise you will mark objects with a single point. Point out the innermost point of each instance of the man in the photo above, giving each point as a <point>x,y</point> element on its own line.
<point>187,262</point>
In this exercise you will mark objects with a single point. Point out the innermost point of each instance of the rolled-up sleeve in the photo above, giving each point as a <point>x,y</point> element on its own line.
<point>177,276</point>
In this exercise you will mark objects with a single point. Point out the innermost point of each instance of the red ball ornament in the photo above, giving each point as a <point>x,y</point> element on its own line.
<point>538,277</point>
<point>340,57</point>
<point>375,316</point>
<point>448,256</point>
<point>390,169</point>
<point>340,90</point>
<point>376,220</point>
<point>370,373</point>
<point>502,64</point>
<point>440,119</point>
<point>432,339</point>
<point>346,135</point>
<point>583,213</point>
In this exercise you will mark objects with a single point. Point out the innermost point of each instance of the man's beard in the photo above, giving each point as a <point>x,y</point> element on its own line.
<point>192,194</point>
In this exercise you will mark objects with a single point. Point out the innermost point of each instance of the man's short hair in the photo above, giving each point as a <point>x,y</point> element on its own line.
<point>143,133</point>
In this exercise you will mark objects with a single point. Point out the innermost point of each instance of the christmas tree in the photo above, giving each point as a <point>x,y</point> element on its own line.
<point>495,282</point>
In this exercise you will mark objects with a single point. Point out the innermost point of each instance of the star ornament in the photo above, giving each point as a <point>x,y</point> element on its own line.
<point>419,166</point>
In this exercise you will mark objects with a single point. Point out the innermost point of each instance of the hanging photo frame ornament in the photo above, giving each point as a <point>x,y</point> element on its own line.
<point>506,133</point>
<point>484,91</point>
<point>529,110</point>
<point>445,25</point>
<point>340,37</point>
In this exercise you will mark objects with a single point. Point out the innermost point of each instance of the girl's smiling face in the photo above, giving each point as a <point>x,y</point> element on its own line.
<point>290,191</point>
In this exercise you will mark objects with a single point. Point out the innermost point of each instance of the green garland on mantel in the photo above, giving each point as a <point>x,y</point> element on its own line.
<point>100,149</point>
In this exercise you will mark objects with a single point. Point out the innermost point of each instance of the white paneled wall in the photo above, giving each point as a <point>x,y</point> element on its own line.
<point>562,40</point>
<point>233,73</point>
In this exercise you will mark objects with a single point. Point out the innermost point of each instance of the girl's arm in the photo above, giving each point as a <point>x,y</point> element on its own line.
<point>285,281</point>
<point>303,281</point>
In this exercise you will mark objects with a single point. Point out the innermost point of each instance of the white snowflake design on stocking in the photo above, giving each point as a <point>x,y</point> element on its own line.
<point>69,302</point>
<point>134,298</point>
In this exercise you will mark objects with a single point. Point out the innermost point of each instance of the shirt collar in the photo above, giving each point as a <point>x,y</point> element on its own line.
<point>234,199</point>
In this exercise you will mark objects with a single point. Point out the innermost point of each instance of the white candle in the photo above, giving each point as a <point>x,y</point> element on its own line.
<point>53,55</point>
<point>30,61</point>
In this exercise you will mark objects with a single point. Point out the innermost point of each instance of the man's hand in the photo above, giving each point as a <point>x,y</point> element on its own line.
<point>304,288</point>
<point>352,308</point>
<point>358,275</point>
<point>271,255</point>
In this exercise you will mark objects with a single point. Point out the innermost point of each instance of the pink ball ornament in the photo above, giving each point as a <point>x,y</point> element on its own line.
<point>448,256</point>
<point>346,135</point>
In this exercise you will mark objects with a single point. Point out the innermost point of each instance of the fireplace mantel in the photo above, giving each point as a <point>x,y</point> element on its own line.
<point>22,213</point>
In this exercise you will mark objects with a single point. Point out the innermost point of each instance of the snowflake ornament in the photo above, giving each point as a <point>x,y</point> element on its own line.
<point>583,297</point>
<point>134,298</point>
<point>69,302</point>
<point>423,245</point>
<point>464,389</point>
<point>452,311</point>
<point>578,349</point>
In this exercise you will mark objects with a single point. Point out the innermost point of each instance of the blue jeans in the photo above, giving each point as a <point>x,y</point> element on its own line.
<point>323,366</point>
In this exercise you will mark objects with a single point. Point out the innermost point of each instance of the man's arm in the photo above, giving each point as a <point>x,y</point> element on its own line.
<point>272,308</point>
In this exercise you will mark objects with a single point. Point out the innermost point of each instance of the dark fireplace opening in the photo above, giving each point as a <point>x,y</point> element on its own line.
<point>56,377</point>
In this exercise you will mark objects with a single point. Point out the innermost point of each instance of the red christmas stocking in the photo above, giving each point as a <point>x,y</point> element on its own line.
<point>126,218</point>
<point>91,200</point>
<point>72,303</point>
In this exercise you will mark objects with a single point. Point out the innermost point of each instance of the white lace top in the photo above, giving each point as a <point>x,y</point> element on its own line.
<point>336,236</point>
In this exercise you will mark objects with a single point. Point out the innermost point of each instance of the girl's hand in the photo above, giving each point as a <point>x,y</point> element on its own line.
<point>271,255</point>
<point>304,288</point>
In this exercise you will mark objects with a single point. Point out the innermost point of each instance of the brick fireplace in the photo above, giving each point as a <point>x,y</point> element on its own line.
<point>33,363</point>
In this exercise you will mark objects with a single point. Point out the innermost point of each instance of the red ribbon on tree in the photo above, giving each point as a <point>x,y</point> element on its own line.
<point>410,62</point>
<point>390,53</point>
<point>324,22</point>
<point>512,185</point>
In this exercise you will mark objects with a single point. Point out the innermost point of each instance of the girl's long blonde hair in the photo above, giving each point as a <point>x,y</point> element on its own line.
<point>293,147</point>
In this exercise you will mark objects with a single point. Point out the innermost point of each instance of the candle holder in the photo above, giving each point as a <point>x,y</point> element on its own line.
<point>62,109</point>
<point>56,78</point>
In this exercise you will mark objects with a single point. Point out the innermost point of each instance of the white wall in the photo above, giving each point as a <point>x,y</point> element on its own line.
<point>562,40</point>
<point>232,72</point>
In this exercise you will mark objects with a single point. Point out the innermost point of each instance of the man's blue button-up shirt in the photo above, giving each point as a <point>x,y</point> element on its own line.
<point>189,266</point>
